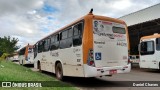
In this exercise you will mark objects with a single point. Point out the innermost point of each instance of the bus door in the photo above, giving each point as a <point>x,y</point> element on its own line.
<point>147,54</point>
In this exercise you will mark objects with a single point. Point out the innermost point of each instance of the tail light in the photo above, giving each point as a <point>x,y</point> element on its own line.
<point>90,60</point>
<point>129,60</point>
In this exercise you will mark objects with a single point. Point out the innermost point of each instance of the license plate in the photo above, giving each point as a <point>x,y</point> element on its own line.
<point>112,71</point>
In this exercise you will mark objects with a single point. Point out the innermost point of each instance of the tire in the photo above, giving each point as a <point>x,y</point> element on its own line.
<point>59,71</point>
<point>159,65</point>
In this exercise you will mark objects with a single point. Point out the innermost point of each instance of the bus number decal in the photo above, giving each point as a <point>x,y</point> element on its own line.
<point>78,55</point>
<point>76,50</point>
<point>78,60</point>
<point>121,44</point>
<point>55,54</point>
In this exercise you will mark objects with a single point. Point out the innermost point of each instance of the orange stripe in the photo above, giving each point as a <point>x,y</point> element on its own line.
<point>26,51</point>
<point>151,36</point>
<point>87,37</point>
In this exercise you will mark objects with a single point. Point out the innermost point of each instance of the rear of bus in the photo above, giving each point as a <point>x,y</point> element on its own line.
<point>26,55</point>
<point>30,55</point>
<point>109,52</point>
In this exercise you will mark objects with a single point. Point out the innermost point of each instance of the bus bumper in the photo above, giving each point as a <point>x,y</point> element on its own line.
<point>90,71</point>
<point>29,62</point>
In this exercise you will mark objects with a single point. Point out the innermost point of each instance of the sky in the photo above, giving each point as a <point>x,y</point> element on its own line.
<point>31,20</point>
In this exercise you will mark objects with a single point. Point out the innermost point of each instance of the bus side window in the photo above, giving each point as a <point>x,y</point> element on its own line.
<point>158,43</point>
<point>66,38</point>
<point>52,46</point>
<point>40,46</point>
<point>63,39</point>
<point>47,44</point>
<point>30,50</point>
<point>43,43</point>
<point>54,42</point>
<point>22,51</point>
<point>77,32</point>
<point>69,40</point>
<point>70,32</point>
<point>35,50</point>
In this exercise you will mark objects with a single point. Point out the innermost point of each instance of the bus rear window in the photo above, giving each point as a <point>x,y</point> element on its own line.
<point>118,30</point>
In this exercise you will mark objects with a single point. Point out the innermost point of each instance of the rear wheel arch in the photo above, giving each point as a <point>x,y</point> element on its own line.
<point>58,61</point>
<point>38,65</point>
<point>159,65</point>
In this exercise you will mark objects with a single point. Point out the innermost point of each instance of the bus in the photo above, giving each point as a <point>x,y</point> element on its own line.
<point>26,55</point>
<point>134,59</point>
<point>91,46</point>
<point>14,57</point>
<point>149,50</point>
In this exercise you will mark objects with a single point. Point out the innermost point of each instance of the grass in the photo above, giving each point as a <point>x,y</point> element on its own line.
<point>10,71</point>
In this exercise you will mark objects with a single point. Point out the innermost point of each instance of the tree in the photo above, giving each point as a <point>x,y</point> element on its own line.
<point>8,44</point>
<point>1,53</point>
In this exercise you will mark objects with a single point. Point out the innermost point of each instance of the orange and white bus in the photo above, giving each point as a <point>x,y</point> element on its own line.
<point>91,46</point>
<point>26,55</point>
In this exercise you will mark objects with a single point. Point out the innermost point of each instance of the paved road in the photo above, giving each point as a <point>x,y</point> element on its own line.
<point>106,83</point>
<point>109,83</point>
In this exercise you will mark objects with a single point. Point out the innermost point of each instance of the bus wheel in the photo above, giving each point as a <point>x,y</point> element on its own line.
<point>59,71</point>
<point>22,62</point>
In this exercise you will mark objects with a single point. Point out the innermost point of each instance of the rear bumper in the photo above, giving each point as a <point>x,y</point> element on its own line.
<point>102,71</point>
<point>29,62</point>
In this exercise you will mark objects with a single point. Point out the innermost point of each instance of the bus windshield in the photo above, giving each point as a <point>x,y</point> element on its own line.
<point>30,50</point>
<point>147,48</point>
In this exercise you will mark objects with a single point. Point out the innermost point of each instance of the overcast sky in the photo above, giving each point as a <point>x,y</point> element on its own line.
<point>31,20</point>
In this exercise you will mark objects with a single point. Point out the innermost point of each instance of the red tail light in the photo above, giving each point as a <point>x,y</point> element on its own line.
<point>90,60</point>
<point>129,60</point>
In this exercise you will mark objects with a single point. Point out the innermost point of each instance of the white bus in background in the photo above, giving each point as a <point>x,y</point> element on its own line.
<point>92,46</point>
<point>149,50</point>
<point>26,55</point>
<point>15,57</point>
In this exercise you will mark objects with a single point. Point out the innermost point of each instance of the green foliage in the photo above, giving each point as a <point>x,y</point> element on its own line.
<point>8,44</point>
<point>10,71</point>
<point>1,53</point>
<point>3,56</point>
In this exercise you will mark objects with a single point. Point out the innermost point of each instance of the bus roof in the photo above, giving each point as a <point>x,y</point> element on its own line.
<point>30,46</point>
<point>150,36</point>
<point>86,17</point>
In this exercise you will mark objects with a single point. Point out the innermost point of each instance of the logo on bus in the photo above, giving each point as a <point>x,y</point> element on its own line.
<point>55,54</point>
<point>98,28</point>
<point>98,56</point>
